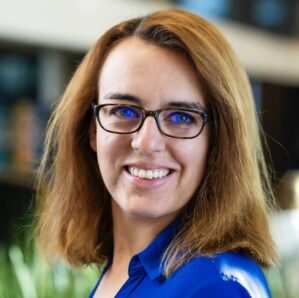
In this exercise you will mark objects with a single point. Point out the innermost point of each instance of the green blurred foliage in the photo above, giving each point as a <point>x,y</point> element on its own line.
<point>27,275</point>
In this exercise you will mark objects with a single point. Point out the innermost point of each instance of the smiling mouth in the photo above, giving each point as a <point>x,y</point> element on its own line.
<point>148,174</point>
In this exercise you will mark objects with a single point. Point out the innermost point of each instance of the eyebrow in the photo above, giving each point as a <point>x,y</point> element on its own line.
<point>172,104</point>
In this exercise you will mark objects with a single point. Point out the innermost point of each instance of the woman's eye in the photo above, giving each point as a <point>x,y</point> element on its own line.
<point>124,112</point>
<point>181,118</point>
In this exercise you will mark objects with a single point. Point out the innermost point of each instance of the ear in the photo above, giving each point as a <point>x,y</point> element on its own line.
<point>92,132</point>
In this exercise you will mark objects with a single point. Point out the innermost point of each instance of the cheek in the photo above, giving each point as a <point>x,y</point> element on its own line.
<point>196,163</point>
<point>104,144</point>
<point>111,149</point>
<point>194,160</point>
<point>106,154</point>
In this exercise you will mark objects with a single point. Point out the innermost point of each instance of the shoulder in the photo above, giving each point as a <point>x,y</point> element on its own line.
<point>224,275</point>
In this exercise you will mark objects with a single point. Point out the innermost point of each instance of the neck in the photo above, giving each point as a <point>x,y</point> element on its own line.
<point>131,236</point>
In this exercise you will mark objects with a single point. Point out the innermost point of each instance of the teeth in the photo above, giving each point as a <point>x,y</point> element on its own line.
<point>148,174</point>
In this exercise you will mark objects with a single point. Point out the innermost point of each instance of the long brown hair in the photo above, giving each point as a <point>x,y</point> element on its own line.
<point>228,212</point>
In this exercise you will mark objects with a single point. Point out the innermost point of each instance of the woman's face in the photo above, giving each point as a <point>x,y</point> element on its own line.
<point>154,78</point>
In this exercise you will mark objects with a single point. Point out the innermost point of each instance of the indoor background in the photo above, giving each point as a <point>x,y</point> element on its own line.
<point>41,44</point>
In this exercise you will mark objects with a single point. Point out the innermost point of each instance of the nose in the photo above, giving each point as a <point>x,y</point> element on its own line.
<point>148,139</point>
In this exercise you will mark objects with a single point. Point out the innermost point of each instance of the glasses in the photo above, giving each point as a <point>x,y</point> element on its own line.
<point>178,123</point>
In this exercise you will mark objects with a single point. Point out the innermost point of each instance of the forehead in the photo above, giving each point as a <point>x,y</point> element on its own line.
<point>149,72</point>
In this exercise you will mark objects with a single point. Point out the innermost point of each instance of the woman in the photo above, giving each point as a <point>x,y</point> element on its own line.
<point>153,164</point>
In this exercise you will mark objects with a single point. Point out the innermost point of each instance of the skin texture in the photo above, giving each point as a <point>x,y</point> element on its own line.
<point>142,208</point>
<point>168,77</point>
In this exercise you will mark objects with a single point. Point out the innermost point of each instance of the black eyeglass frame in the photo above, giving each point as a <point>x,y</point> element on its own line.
<point>146,113</point>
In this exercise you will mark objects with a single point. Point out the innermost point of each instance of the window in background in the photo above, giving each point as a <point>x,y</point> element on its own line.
<point>279,16</point>
<point>207,8</point>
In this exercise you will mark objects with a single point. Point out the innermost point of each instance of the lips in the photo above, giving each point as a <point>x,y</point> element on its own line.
<point>148,174</point>
<point>149,171</point>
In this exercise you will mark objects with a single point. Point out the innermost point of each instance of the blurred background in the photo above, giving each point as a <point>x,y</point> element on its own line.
<point>41,44</point>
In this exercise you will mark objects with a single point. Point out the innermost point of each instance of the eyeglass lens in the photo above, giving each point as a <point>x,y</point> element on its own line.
<point>174,122</point>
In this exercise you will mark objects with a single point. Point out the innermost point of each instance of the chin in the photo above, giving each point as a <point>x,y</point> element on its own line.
<point>143,213</point>
<point>145,208</point>
<point>149,214</point>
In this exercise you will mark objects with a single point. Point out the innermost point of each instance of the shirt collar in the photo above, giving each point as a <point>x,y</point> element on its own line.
<point>150,258</point>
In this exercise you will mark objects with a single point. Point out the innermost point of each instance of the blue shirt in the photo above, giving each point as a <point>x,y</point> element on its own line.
<point>224,275</point>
